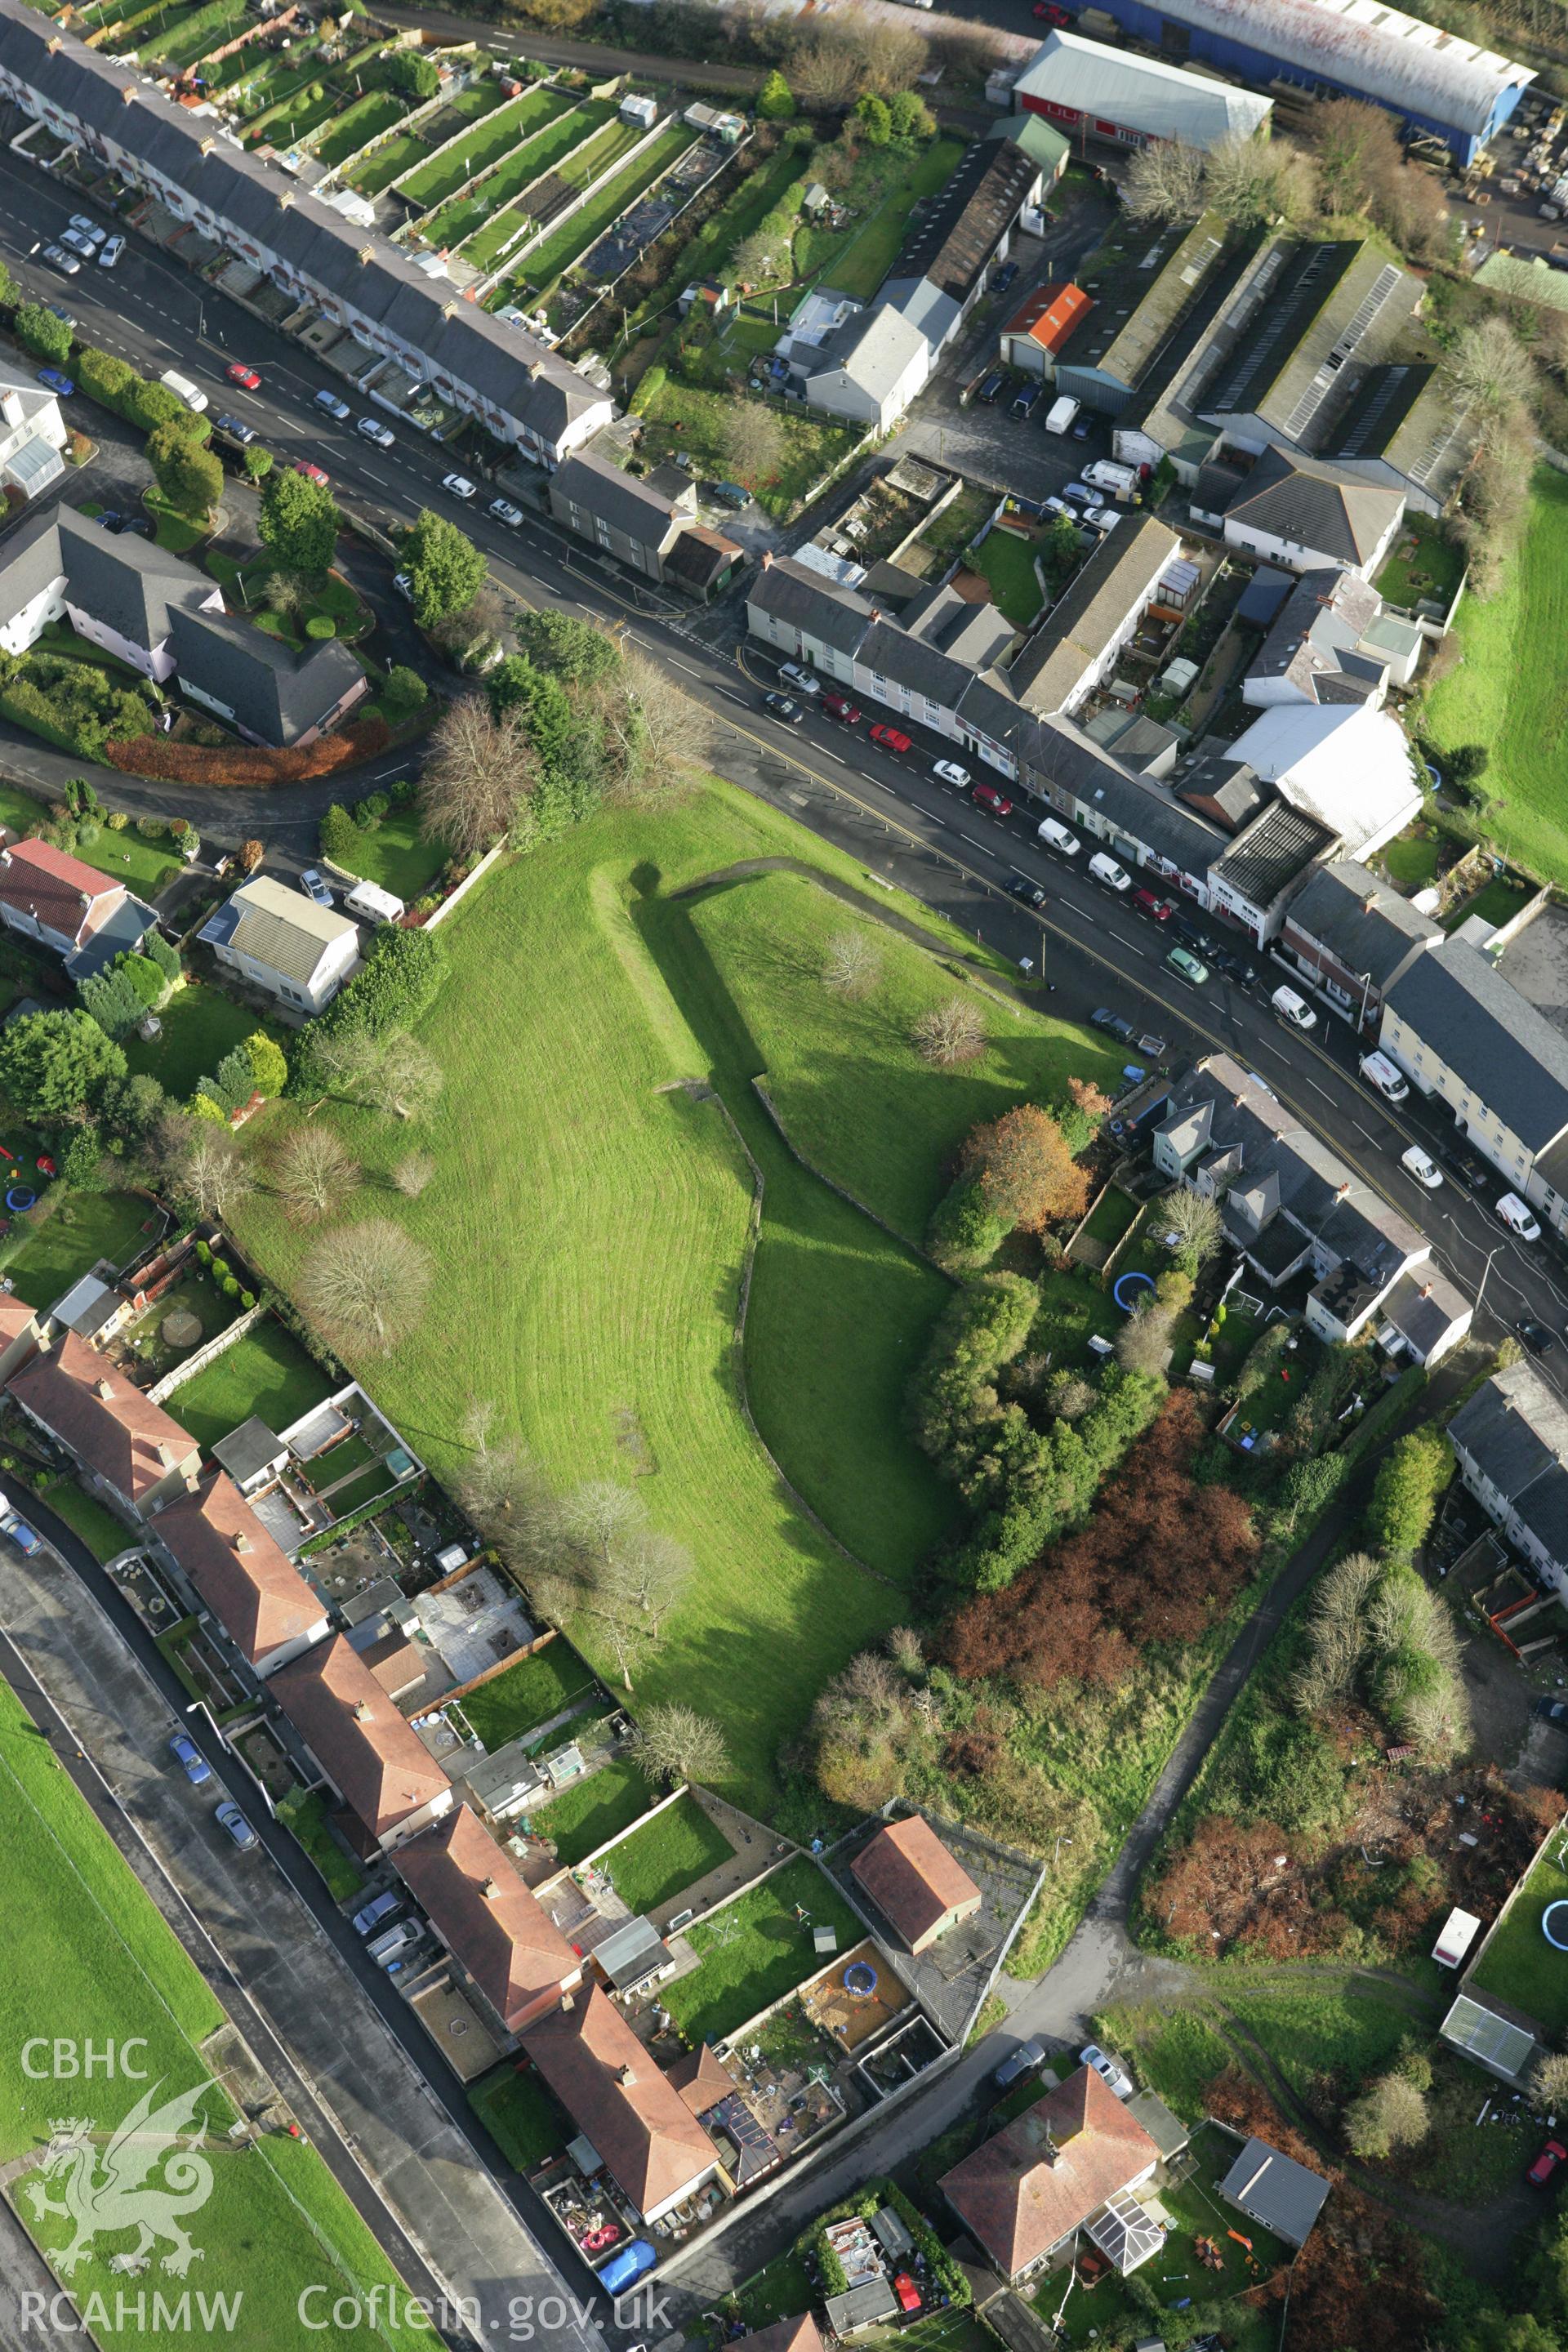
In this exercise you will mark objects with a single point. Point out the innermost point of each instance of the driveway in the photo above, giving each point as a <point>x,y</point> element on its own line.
<point>349,2059</point>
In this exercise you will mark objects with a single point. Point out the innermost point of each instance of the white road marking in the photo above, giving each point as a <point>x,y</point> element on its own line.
<point>1317,1089</point>
<point>1371,1138</point>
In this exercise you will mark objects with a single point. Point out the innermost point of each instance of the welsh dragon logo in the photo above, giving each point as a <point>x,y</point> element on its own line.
<point>104,2191</point>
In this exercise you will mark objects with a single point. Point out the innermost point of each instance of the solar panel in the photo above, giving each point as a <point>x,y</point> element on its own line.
<point>1482,2034</point>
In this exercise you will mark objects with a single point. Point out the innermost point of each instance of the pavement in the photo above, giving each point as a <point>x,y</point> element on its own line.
<point>352,2065</point>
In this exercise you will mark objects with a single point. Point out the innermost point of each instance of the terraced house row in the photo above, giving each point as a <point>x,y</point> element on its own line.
<point>191,163</point>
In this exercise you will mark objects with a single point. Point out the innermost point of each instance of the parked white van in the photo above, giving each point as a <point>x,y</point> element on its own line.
<point>372,904</point>
<point>1055,835</point>
<point>1105,869</point>
<point>183,389</point>
<point>1513,1212</point>
<point>1380,1072</point>
<point>1293,1008</point>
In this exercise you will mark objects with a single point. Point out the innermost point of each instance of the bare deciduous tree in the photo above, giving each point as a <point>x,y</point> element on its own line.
<point>951,1033</point>
<point>203,1163</point>
<point>592,1553</point>
<point>675,1743</point>
<point>907,1649</point>
<point>413,1173</point>
<point>655,735</point>
<point>285,593</point>
<point>892,57</point>
<point>752,442</point>
<point>363,1285</point>
<point>394,1074</point>
<point>479,772</point>
<point>1194,1220</point>
<point>852,965</point>
<point>825,72</point>
<point>495,1482</point>
<point>1491,363</point>
<point>1164,181</point>
<point>313,1172</point>
<point>1143,1342</point>
<point>1251,182</point>
<point>1391,2114</point>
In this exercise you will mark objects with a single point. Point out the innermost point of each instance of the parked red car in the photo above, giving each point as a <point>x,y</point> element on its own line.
<point>1050,14</point>
<point>838,706</point>
<point>890,740</point>
<point>237,373</point>
<point>1147,903</point>
<point>1546,2163</point>
<point>312,473</point>
<point>986,796</point>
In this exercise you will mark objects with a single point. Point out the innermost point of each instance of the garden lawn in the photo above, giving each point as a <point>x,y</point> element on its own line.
<point>1518,1965</point>
<point>376,111</point>
<point>590,1221</point>
<point>267,1372</point>
<point>485,144</point>
<point>388,163</point>
<point>530,1692</point>
<point>1510,691</point>
<point>105,1536</point>
<point>555,137</point>
<point>1412,863</point>
<point>397,855</point>
<point>1434,569</point>
<point>190,38</point>
<point>683,418</point>
<point>307,1822</point>
<point>572,240</point>
<point>89,1957</point>
<point>1008,563</point>
<point>851,1090</point>
<point>201,1024</point>
<point>679,1846</point>
<point>520,2116</point>
<point>888,185</point>
<point>144,867</point>
<point>67,1242</point>
<point>591,1811</point>
<point>767,1950</point>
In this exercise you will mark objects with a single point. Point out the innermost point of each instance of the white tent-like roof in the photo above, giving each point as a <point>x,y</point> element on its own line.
<point>1349,766</point>
<point>1139,93</point>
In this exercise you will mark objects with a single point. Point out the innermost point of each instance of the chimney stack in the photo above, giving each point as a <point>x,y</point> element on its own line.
<point>106,1389</point>
<point>625,2078</point>
<point>361,1711</point>
<point>241,1540</point>
<point>491,1890</point>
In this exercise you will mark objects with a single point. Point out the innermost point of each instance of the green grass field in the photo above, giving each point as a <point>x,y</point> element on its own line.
<point>683,418</point>
<point>84,1227</point>
<point>549,261</point>
<point>201,1024</point>
<point>308,1820</point>
<point>767,1953</point>
<point>1510,691</point>
<point>377,172</point>
<point>267,1372</point>
<point>520,2116</point>
<point>852,1091</point>
<point>1433,566</point>
<point>1008,563</point>
<point>591,1811</point>
<point>530,1693</point>
<point>888,183</point>
<point>610,1360</point>
<point>90,1958</point>
<point>1520,1966</point>
<point>397,855</point>
<point>489,224</point>
<point>376,111</point>
<point>104,1536</point>
<point>485,144</point>
<point>675,1848</point>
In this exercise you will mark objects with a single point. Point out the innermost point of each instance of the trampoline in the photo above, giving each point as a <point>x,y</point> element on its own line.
<point>1554,1926</point>
<point>20,1197</point>
<point>860,1980</point>
<point>1121,1285</point>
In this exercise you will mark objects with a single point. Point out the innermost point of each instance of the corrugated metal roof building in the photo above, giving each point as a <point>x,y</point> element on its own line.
<point>1085,85</point>
<point>1350,49</point>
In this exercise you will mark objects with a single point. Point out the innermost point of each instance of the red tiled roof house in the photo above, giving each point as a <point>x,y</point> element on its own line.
<point>915,1883</point>
<point>1067,2163</point>
<point>128,1450</point>
<point>494,1925</point>
<point>650,2142</point>
<point>236,1570</point>
<point>786,2336</point>
<point>53,897</point>
<point>362,1747</point>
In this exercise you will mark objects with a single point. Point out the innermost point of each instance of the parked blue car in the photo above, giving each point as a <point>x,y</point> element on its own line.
<point>234,1823</point>
<point>633,2261</point>
<point>21,1534</point>
<point>58,383</point>
<point>198,1769</point>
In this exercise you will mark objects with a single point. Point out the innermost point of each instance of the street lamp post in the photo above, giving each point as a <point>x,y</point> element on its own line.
<point>1486,1269</point>
<point>1062,1839</point>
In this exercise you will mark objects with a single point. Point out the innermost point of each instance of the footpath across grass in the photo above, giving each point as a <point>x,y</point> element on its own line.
<point>88,1957</point>
<point>1510,691</point>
